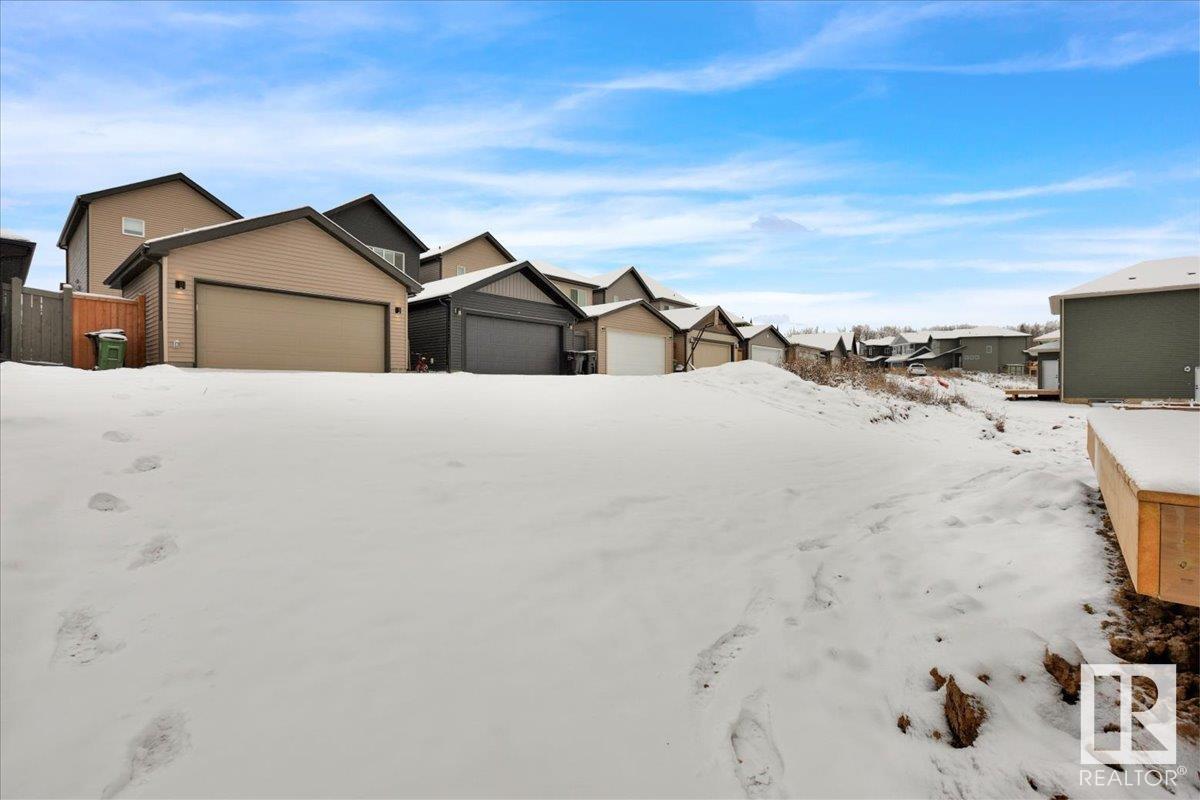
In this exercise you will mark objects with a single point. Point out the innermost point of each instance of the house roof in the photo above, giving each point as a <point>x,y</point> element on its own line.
<point>654,288</point>
<point>435,290</point>
<point>688,318</point>
<point>976,332</point>
<point>881,341</point>
<point>439,251</point>
<point>555,271</point>
<point>601,309</point>
<point>1050,346</point>
<point>1050,336</point>
<point>928,355</point>
<point>17,244</point>
<point>153,249</point>
<point>848,341</point>
<point>818,341</point>
<point>82,201</point>
<point>750,331</point>
<point>370,198</point>
<point>916,337</point>
<point>1162,275</point>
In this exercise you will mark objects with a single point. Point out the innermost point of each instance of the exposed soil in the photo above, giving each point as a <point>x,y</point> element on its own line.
<point>1146,630</point>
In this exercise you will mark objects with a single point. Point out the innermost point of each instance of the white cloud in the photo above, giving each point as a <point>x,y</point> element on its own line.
<point>1086,184</point>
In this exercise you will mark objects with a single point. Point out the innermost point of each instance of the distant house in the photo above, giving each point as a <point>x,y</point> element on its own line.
<point>16,254</point>
<point>1133,334</point>
<point>481,251</point>
<point>763,343</point>
<point>372,223</point>
<point>504,320</point>
<point>105,226</point>
<point>630,283</point>
<point>573,285</point>
<point>630,337</point>
<point>707,337</point>
<point>824,346</point>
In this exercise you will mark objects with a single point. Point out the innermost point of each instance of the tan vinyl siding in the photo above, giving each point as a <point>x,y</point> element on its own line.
<point>626,288</point>
<point>580,295</point>
<point>149,283</point>
<point>295,256</point>
<point>716,335</point>
<point>476,254</point>
<point>77,256</point>
<point>166,208</point>
<point>635,319</point>
<point>518,287</point>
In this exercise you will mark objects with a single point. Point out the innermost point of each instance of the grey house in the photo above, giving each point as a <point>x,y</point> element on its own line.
<point>980,349</point>
<point>504,320</point>
<point>372,223</point>
<point>1134,334</point>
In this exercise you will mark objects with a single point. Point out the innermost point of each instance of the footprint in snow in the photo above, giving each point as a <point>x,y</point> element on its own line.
<point>103,501</point>
<point>155,550</point>
<point>822,595</point>
<point>163,740</point>
<point>756,760</point>
<point>145,464</point>
<point>455,464</point>
<point>149,412</point>
<point>718,657</point>
<point>117,436</point>
<point>80,640</point>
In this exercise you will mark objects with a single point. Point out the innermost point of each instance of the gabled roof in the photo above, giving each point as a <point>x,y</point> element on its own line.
<point>153,249</point>
<point>1048,336</point>
<point>988,331</point>
<point>435,290</point>
<point>370,198</point>
<point>882,341</point>
<point>916,337</point>
<point>596,311</point>
<point>1048,346</point>
<point>748,332</point>
<point>656,290</point>
<point>82,201</point>
<point>825,342</point>
<point>555,271</point>
<point>928,355</point>
<point>688,318</point>
<point>439,251</point>
<point>1162,275</point>
<point>848,338</point>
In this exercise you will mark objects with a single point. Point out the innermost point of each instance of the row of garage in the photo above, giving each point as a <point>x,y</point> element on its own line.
<point>294,291</point>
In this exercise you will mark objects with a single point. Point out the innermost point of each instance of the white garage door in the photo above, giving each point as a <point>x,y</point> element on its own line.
<point>255,329</point>
<point>771,355</point>
<point>635,353</point>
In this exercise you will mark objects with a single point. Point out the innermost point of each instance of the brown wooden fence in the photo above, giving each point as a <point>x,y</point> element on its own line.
<point>41,327</point>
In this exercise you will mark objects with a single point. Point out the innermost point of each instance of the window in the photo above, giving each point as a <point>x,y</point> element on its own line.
<point>131,226</point>
<point>393,257</point>
<point>987,349</point>
<point>578,296</point>
<point>460,270</point>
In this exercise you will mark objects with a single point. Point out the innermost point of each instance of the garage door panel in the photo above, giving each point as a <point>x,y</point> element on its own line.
<point>498,346</point>
<point>630,353</point>
<point>711,354</point>
<point>770,355</point>
<point>256,329</point>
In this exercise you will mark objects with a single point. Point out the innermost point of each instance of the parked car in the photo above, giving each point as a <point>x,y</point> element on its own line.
<point>917,369</point>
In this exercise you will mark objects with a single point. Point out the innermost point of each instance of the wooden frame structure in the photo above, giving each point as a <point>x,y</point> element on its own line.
<point>1159,532</point>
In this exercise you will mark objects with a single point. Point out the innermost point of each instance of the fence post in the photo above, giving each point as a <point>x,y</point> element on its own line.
<point>68,302</point>
<point>14,319</point>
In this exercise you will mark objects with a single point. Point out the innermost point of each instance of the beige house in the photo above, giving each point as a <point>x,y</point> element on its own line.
<point>707,337</point>
<point>104,227</point>
<point>763,343</point>
<point>829,347</point>
<point>629,283</point>
<point>572,284</point>
<point>480,251</point>
<point>290,291</point>
<point>630,337</point>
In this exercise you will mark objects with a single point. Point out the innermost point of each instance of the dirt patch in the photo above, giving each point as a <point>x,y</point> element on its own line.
<point>964,714</point>
<point>1146,630</point>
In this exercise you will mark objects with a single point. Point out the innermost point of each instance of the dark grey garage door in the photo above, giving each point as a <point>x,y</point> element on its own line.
<point>497,346</point>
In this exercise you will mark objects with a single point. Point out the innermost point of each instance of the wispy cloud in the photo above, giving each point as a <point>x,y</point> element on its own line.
<point>1074,186</point>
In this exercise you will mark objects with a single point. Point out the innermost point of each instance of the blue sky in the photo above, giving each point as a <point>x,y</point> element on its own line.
<point>810,164</point>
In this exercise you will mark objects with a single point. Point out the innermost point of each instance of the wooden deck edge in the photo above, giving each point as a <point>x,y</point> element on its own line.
<point>1170,498</point>
<point>1149,537</point>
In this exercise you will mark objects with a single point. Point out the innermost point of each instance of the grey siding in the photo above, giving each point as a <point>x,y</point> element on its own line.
<point>1132,346</point>
<point>77,256</point>
<point>428,334</point>
<point>430,271</point>
<point>1012,350</point>
<point>367,223</point>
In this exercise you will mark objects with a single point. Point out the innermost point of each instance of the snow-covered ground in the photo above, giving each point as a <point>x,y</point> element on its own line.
<point>722,584</point>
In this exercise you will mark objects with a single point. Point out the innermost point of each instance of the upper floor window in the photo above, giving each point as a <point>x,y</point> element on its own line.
<point>460,270</point>
<point>393,257</point>
<point>579,297</point>
<point>131,226</point>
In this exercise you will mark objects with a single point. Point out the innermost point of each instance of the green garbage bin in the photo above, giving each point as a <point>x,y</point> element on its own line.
<point>110,348</point>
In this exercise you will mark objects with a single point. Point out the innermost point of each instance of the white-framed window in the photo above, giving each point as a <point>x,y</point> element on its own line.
<point>132,226</point>
<point>460,270</point>
<point>393,257</point>
<point>579,296</point>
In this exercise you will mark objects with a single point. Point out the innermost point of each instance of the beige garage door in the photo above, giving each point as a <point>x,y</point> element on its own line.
<point>253,329</point>
<point>711,354</point>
